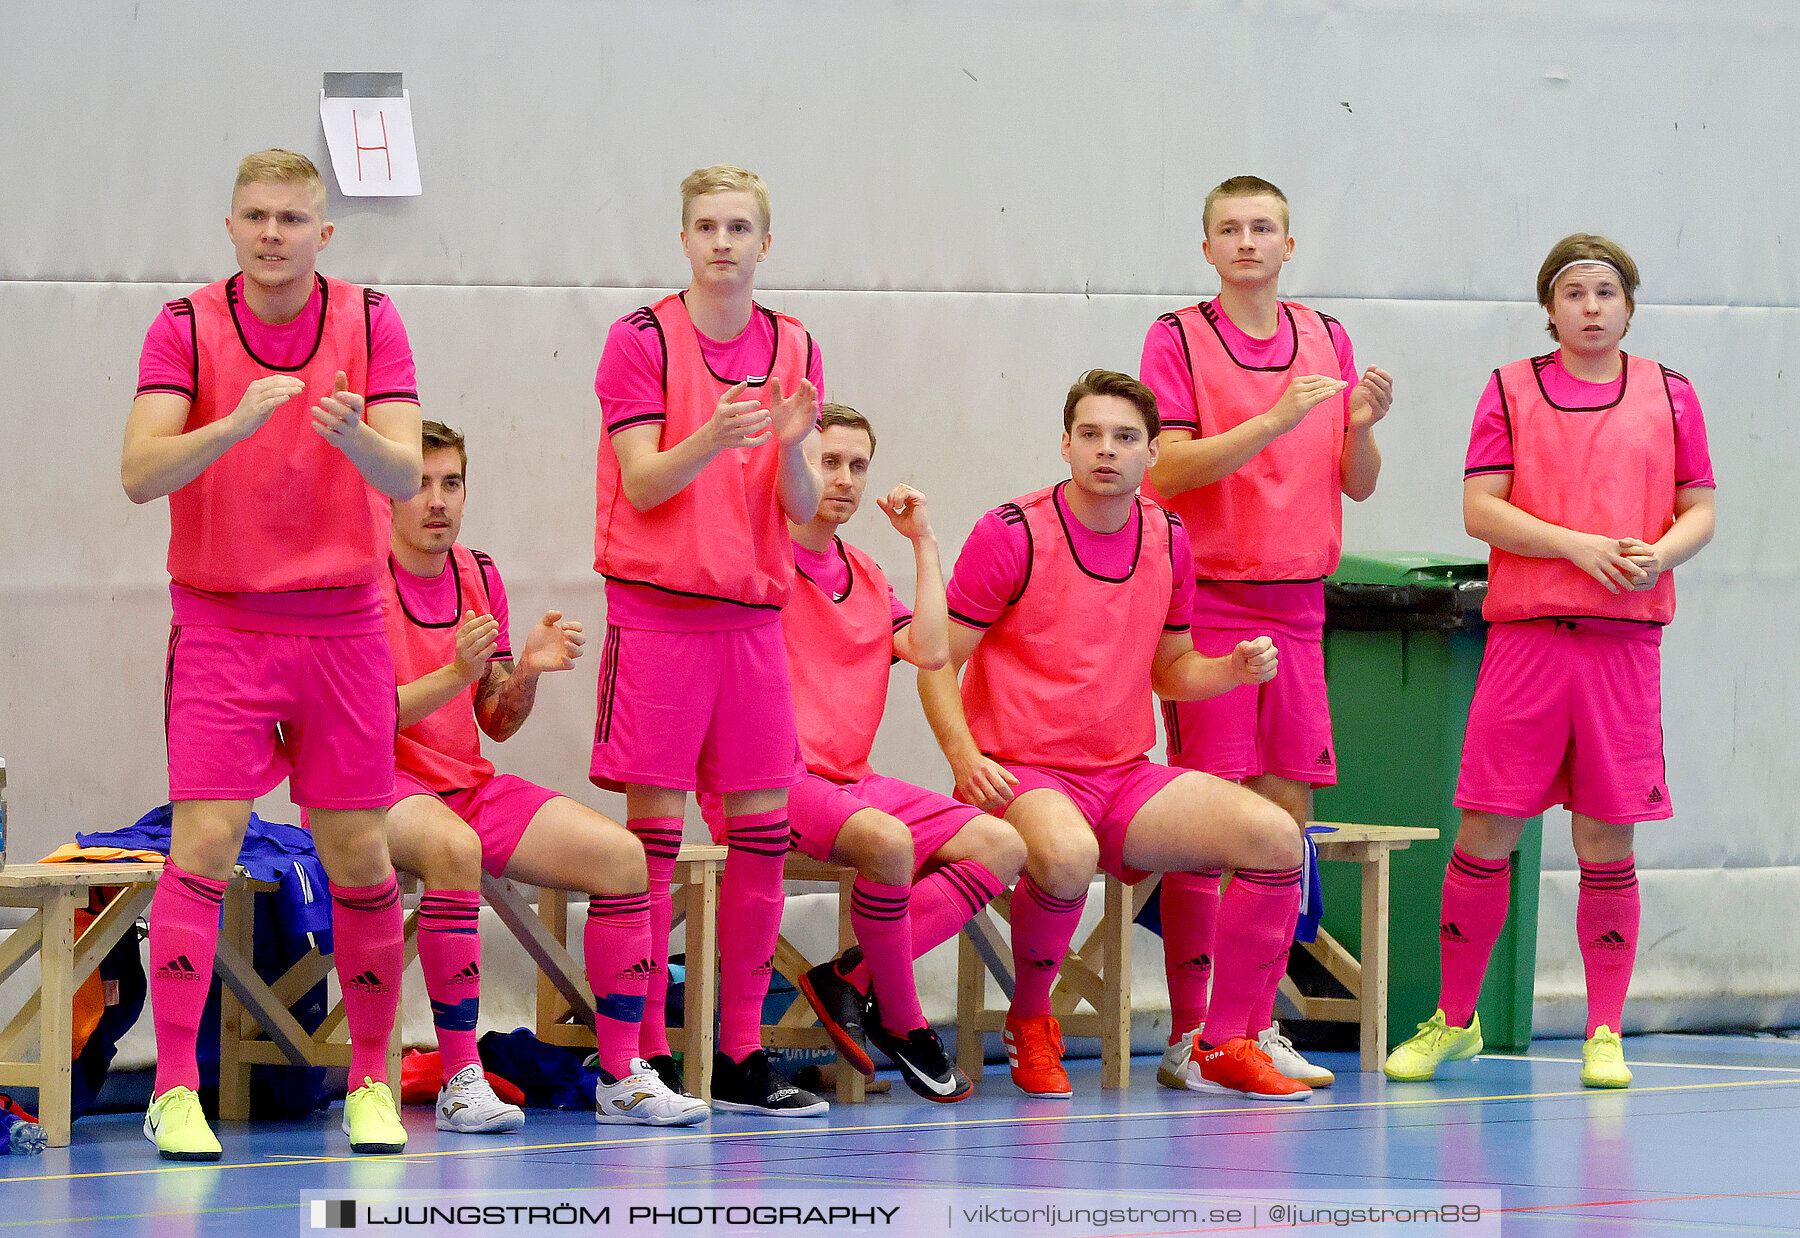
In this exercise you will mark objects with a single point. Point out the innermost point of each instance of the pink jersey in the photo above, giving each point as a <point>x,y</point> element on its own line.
<point>1279,517</point>
<point>443,749</point>
<point>716,553</point>
<point>1490,439</point>
<point>1608,471</point>
<point>283,510</point>
<point>840,643</point>
<point>1062,674</point>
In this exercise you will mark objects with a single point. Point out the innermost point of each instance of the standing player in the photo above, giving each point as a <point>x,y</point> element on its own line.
<point>1265,425</point>
<point>1073,603</point>
<point>1588,475</point>
<point>925,863</point>
<point>708,449</point>
<point>276,408</point>
<point>453,816</point>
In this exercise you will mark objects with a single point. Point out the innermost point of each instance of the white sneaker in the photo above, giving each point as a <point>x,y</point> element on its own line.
<point>1288,1061</point>
<point>467,1104</point>
<point>643,1099</point>
<point>1176,1070</point>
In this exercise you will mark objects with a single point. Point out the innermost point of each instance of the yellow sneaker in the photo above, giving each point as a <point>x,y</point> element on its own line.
<point>371,1120</point>
<point>178,1128</point>
<point>1603,1061</point>
<point>1436,1043</point>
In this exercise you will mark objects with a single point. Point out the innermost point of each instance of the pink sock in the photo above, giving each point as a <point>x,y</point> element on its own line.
<point>1262,1013</point>
<point>184,934</point>
<point>366,924</point>
<point>1042,928</point>
<point>941,904</point>
<point>1256,928</point>
<point>450,957</point>
<point>878,915</point>
<point>1606,925</point>
<point>661,837</point>
<point>750,902</point>
<point>1190,918</point>
<point>1476,892</point>
<point>616,944</point>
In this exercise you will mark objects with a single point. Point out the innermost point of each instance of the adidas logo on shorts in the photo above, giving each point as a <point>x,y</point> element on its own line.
<point>1325,756</point>
<point>1655,796</point>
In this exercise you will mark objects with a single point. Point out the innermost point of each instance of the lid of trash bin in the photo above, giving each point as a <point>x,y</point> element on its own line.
<point>1408,567</point>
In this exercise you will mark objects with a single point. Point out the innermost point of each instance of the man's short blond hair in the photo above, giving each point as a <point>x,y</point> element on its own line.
<point>843,415</point>
<point>1242,187</point>
<point>724,178</point>
<point>1586,247</point>
<point>281,167</point>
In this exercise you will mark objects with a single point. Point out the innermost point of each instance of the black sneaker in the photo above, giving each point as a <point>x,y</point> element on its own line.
<point>921,1059</point>
<point>669,1071</point>
<point>840,1006</point>
<point>753,1086</point>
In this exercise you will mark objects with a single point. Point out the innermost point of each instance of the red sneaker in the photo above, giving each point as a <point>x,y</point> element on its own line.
<point>1239,1068</point>
<point>1034,1049</point>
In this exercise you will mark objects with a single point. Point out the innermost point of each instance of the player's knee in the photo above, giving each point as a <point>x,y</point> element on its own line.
<point>1064,863</point>
<point>880,847</point>
<point>1278,840</point>
<point>999,848</point>
<point>455,860</point>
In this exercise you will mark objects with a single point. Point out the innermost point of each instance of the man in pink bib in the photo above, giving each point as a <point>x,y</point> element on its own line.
<point>277,410</point>
<point>925,862</point>
<point>1070,607</point>
<point>453,815</point>
<point>1265,427</point>
<point>708,450</point>
<point>1588,474</point>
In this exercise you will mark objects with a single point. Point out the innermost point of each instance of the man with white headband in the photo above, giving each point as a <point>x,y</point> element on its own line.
<point>1589,477</point>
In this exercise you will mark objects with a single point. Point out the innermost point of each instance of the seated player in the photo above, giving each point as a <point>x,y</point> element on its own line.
<point>925,862</point>
<point>1071,606</point>
<point>453,816</point>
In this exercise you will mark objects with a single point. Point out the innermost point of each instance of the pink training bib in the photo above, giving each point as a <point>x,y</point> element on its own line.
<point>443,749</point>
<point>839,650</point>
<point>1609,471</point>
<point>1062,678</point>
<point>283,509</point>
<point>1280,516</point>
<point>724,535</point>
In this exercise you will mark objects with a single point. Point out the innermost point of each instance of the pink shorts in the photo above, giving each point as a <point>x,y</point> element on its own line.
<point>1564,714</point>
<point>499,811</point>
<point>1282,727</point>
<point>818,808</point>
<point>244,710</point>
<point>696,711</point>
<point>1109,797</point>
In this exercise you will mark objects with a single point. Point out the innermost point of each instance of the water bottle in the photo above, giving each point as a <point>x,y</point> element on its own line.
<point>19,1137</point>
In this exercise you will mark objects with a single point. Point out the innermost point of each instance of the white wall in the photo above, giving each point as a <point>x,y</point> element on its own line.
<point>973,202</point>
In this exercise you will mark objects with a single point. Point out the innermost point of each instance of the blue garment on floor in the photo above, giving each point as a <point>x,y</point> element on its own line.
<point>551,1076</point>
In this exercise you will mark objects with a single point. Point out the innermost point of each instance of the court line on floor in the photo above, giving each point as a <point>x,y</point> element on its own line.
<point>1635,1063</point>
<point>793,1132</point>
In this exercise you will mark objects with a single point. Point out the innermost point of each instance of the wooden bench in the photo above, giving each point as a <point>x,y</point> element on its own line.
<point>55,892</point>
<point>1098,971</point>
<point>565,1017</point>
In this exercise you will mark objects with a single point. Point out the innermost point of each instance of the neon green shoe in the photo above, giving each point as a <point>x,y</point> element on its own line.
<point>1436,1043</point>
<point>178,1128</point>
<point>371,1120</point>
<point>1603,1061</point>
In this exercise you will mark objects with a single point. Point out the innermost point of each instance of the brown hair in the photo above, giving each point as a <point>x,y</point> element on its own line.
<point>435,434</point>
<point>722,178</point>
<point>1113,383</point>
<point>1242,187</point>
<point>844,415</point>
<point>1585,246</point>
<point>281,167</point>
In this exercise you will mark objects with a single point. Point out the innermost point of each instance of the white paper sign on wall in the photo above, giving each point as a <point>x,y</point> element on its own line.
<point>369,134</point>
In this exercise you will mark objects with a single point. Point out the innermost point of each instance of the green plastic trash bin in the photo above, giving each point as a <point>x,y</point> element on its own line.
<point>1403,642</point>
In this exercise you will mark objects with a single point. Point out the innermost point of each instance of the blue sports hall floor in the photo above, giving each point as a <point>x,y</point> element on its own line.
<point>1706,1142</point>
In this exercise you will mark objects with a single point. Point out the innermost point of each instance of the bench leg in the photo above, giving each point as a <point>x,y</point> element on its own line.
<point>56,1014</point>
<point>1115,988</point>
<point>701,896</point>
<point>234,1072</point>
<point>1373,994</point>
